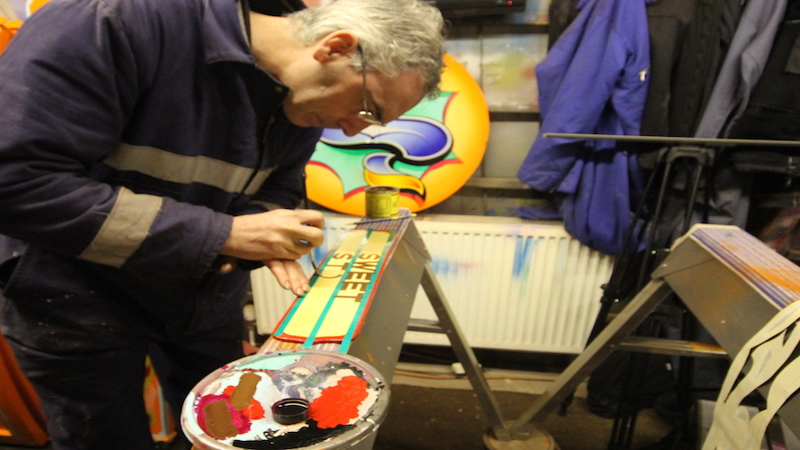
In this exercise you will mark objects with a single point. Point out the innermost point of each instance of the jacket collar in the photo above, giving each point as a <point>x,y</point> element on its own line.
<point>224,38</point>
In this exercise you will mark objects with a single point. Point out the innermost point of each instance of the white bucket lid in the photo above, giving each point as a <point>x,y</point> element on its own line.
<point>231,408</point>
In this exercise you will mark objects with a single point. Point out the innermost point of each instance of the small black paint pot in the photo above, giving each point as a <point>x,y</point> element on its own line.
<point>290,411</point>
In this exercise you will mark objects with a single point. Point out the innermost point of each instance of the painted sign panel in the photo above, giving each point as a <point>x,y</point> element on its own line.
<point>333,309</point>
<point>429,153</point>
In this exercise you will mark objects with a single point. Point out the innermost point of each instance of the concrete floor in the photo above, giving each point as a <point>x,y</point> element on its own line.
<point>578,430</point>
<point>435,377</point>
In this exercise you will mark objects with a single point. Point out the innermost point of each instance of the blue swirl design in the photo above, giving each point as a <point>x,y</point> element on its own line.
<point>416,141</point>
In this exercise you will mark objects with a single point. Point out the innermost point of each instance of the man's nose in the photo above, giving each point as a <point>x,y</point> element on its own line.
<point>351,127</point>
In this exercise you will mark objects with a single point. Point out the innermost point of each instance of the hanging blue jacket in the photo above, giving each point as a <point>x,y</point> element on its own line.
<point>594,80</point>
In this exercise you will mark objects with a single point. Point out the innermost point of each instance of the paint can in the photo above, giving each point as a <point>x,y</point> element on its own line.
<point>234,406</point>
<point>382,202</point>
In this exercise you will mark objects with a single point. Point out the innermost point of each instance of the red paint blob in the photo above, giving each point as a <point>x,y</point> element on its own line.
<point>253,411</point>
<point>338,405</point>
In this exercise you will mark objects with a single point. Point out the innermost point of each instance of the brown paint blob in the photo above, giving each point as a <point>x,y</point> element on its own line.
<point>218,421</point>
<point>243,394</point>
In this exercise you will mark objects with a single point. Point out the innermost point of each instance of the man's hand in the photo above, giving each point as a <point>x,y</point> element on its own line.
<point>278,238</point>
<point>281,234</point>
<point>289,275</point>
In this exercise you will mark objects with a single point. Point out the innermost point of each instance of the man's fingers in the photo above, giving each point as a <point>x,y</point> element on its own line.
<point>290,275</point>
<point>277,234</point>
<point>297,278</point>
<point>279,271</point>
<point>311,218</point>
<point>311,234</point>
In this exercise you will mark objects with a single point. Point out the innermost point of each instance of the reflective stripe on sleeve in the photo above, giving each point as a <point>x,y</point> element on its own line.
<point>124,230</point>
<point>185,169</point>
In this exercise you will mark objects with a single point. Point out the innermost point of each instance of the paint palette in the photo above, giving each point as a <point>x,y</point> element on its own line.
<point>232,407</point>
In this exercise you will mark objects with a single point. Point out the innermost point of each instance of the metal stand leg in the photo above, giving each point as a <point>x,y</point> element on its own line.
<point>463,351</point>
<point>603,345</point>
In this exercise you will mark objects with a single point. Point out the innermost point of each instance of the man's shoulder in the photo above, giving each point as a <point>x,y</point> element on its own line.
<point>180,10</point>
<point>185,24</point>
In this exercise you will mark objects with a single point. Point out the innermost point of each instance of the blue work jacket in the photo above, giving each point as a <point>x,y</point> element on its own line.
<point>131,132</point>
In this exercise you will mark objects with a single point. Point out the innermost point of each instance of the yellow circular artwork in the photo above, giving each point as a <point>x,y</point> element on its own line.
<point>428,154</point>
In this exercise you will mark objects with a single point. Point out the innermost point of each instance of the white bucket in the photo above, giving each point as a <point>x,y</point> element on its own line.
<point>231,408</point>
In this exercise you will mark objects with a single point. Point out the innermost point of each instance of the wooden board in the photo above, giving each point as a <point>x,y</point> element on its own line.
<point>334,308</point>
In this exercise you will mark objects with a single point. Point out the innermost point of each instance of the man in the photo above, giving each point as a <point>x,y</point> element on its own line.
<point>150,152</point>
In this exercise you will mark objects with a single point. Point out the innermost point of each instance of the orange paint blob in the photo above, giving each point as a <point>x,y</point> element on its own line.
<point>338,405</point>
<point>254,411</point>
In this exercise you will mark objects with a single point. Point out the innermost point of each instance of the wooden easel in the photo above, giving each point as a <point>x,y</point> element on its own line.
<point>698,158</point>
<point>404,269</point>
<point>731,282</point>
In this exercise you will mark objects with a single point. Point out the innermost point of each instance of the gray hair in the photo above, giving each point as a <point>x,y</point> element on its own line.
<point>395,35</point>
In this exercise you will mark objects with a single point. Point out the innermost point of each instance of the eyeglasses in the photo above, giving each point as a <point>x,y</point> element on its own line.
<point>365,114</point>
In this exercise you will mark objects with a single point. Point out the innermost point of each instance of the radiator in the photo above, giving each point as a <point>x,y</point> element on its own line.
<point>512,284</point>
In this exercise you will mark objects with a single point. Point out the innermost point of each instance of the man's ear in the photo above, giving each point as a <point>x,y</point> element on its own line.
<point>341,43</point>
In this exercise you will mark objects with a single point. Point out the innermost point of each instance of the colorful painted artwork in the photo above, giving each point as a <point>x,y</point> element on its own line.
<point>429,153</point>
<point>31,6</point>
<point>233,407</point>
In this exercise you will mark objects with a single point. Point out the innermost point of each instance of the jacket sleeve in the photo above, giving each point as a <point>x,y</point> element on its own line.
<point>70,81</point>
<point>285,186</point>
